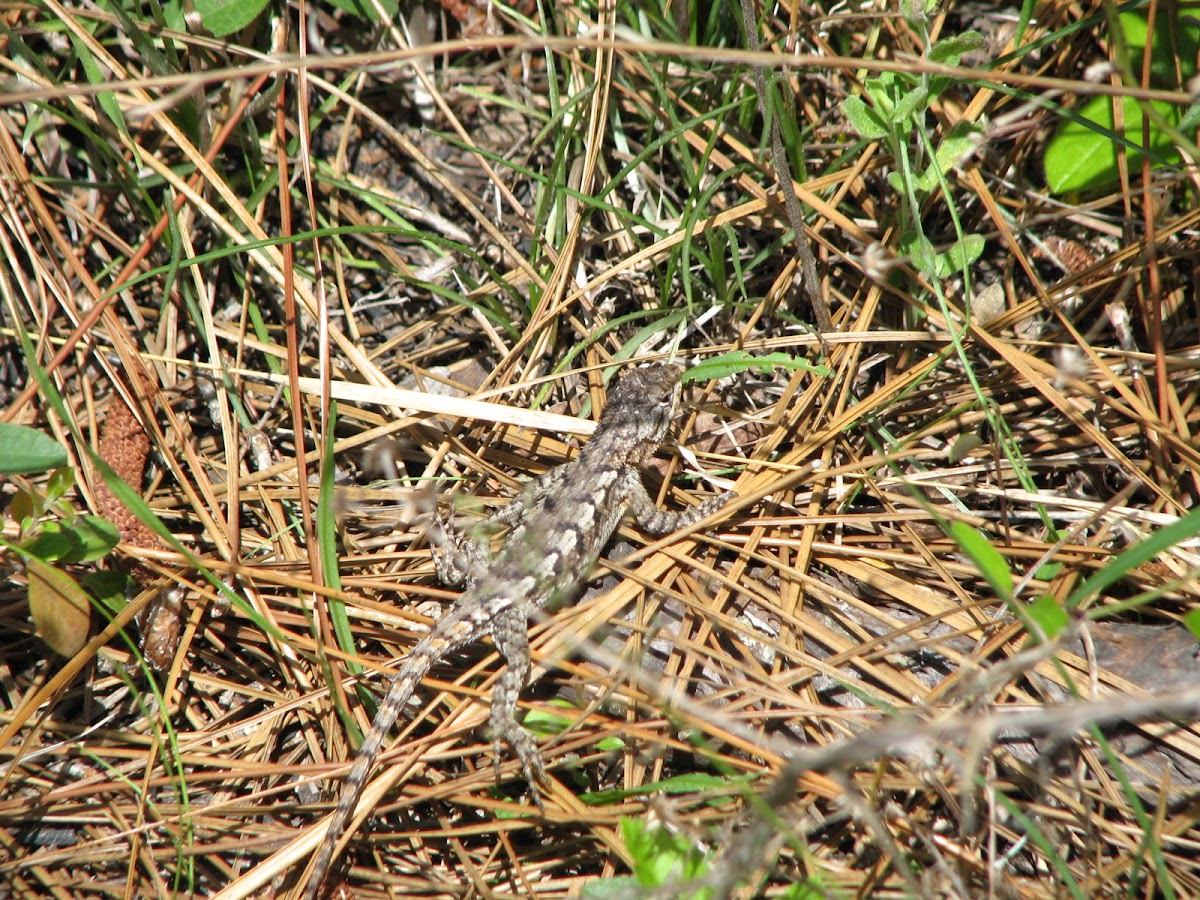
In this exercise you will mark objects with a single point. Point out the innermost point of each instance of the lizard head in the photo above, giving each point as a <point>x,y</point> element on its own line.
<point>641,407</point>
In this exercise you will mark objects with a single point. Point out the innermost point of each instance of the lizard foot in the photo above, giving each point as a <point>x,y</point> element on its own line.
<point>524,746</point>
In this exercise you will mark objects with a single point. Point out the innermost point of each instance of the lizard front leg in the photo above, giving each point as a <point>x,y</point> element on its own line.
<point>460,555</point>
<point>656,521</point>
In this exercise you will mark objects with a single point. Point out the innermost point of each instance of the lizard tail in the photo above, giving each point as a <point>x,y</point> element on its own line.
<point>471,620</point>
<point>399,692</point>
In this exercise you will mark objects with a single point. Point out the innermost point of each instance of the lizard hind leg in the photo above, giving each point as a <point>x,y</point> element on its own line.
<point>511,638</point>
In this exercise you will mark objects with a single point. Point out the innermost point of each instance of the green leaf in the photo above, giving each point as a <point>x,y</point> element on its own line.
<point>61,480</point>
<point>742,361</point>
<point>1142,552</point>
<point>987,558</point>
<point>1082,155</point>
<point>660,856</point>
<point>864,119</point>
<point>911,102</point>
<point>86,540</point>
<point>1049,615</point>
<point>717,786</point>
<point>964,445</point>
<point>882,92</point>
<point>51,543</point>
<point>1048,571</point>
<point>963,254</point>
<point>96,536</point>
<point>920,251</point>
<point>60,608</point>
<point>97,74</point>
<point>950,50</point>
<point>1191,619</point>
<point>24,507</point>
<point>958,256</point>
<point>223,17</point>
<point>25,450</point>
<point>958,144</point>
<point>110,587</point>
<point>544,723</point>
<point>1176,39</point>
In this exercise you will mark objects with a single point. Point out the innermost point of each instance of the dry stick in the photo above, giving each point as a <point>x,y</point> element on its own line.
<point>783,173</point>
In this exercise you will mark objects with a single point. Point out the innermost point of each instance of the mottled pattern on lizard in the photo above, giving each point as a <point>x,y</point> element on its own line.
<point>559,525</point>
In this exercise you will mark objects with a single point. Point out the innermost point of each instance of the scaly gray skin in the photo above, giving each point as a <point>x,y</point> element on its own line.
<point>560,523</point>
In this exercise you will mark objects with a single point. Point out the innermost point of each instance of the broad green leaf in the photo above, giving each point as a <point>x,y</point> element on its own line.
<point>882,91</point>
<point>60,608</point>
<point>544,723</point>
<point>864,119</point>
<point>955,258</point>
<point>964,445</point>
<point>97,536</point>
<point>920,251</point>
<point>224,17</point>
<point>956,146</point>
<point>950,50</point>
<point>660,856</point>
<point>85,540</point>
<point>1176,40</point>
<point>24,450</point>
<point>1082,155</point>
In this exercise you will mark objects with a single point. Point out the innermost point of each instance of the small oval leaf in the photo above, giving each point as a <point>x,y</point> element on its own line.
<point>60,608</point>
<point>863,119</point>
<point>60,481</point>
<point>20,510</point>
<point>97,536</point>
<point>52,543</point>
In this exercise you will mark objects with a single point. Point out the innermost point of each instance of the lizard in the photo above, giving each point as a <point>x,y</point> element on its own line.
<point>558,526</point>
